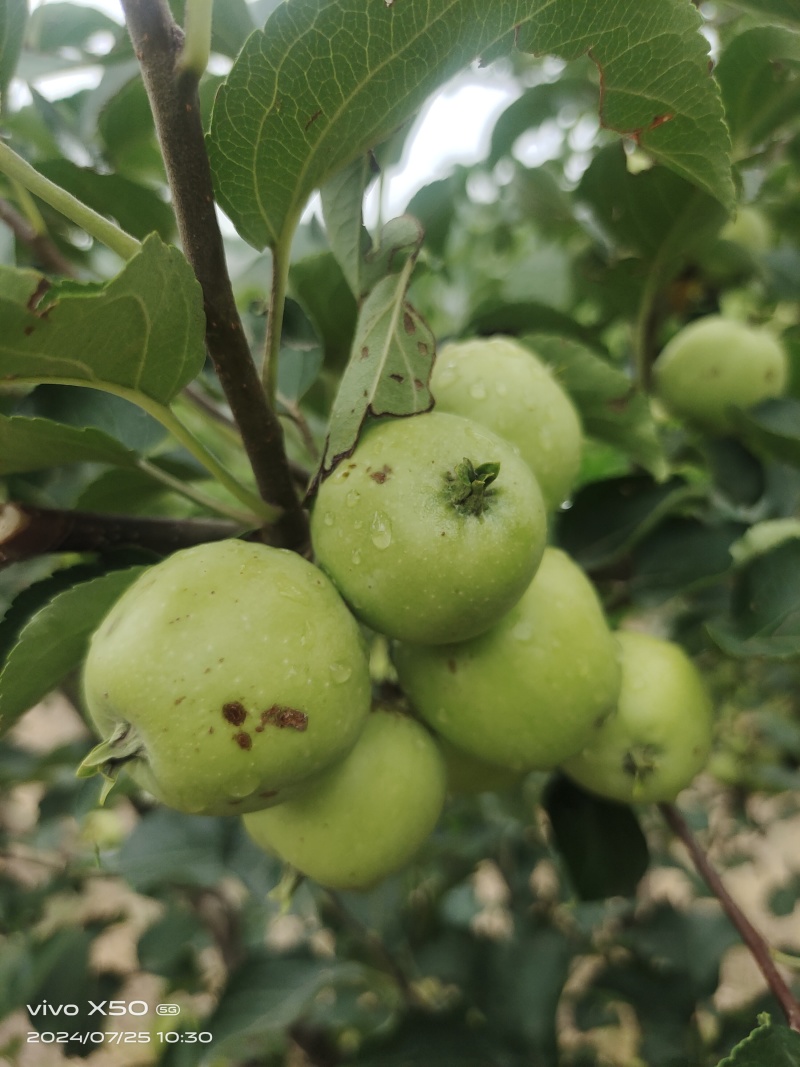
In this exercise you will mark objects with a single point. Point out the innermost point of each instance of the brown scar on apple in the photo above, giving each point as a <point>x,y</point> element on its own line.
<point>381,475</point>
<point>283,717</point>
<point>243,740</point>
<point>234,713</point>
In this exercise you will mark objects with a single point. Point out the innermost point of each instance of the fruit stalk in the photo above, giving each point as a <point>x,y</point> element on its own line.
<point>157,41</point>
<point>755,942</point>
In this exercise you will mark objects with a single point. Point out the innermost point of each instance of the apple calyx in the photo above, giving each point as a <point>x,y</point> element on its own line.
<point>107,758</point>
<point>467,487</point>
<point>640,761</point>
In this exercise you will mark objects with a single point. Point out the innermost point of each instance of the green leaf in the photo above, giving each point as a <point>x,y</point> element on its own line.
<point>765,611</point>
<point>364,263</point>
<point>609,518</point>
<point>767,1046</point>
<point>342,198</point>
<point>294,110</point>
<point>167,846</point>
<point>773,428</point>
<point>54,641</point>
<point>684,553</point>
<point>139,335</point>
<point>13,16</point>
<point>611,408</point>
<point>53,27</point>
<point>655,214</point>
<point>320,287</point>
<point>138,209</point>
<point>782,10</point>
<point>34,444</point>
<point>760,90</point>
<point>266,995</point>
<point>389,372</point>
<point>600,841</point>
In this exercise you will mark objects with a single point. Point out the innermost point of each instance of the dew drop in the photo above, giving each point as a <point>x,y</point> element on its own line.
<point>381,530</point>
<point>500,388</point>
<point>340,672</point>
<point>523,631</point>
<point>356,557</point>
<point>352,498</point>
<point>327,518</point>
<point>447,377</point>
<point>477,391</point>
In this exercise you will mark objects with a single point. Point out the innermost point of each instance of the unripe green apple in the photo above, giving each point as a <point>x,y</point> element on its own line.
<point>432,529</point>
<point>748,228</point>
<point>526,694</point>
<point>364,818</point>
<point>469,775</point>
<point>224,676</point>
<point>660,735</point>
<point>500,383</point>
<point>714,364</point>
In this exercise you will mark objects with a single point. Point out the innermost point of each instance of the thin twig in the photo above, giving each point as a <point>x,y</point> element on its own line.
<point>758,947</point>
<point>27,531</point>
<point>158,41</point>
<point>45,251</point>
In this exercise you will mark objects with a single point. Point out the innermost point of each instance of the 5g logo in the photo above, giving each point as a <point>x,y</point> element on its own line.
<point>168,1009</point>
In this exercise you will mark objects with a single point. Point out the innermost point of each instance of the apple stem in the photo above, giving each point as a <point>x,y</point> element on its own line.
<point>468,486</point>
<point>755,942</point>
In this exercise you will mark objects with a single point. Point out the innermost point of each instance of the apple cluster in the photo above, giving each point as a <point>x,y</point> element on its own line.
<point>234,678</point>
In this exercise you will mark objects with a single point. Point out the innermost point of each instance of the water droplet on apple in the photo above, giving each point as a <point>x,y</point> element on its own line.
<point>477,391</point>
<point>523,631</point>
<point>327,518</point>
<point>356,557</point>
<point>381,530</point>
<point>340,672</point>
<point>352,498</point>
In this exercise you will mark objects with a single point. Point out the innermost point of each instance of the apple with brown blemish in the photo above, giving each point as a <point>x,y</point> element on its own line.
<point>224,677</point>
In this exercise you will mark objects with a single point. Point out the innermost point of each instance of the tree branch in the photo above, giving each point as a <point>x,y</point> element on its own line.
<point>27,531</point>
<point>46,253</point>
<point>157,41</point>
<point>758,947</point>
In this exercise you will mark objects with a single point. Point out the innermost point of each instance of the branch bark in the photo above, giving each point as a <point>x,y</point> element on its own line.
<point>758,947</point>
<point>46,253</point>
<point>157,41</point>
<point>27,531</point>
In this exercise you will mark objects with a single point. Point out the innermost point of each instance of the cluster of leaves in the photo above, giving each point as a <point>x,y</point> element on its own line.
<point>503,945</point>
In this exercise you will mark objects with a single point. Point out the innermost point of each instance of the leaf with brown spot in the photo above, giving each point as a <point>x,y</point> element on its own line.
<point>392,379</point>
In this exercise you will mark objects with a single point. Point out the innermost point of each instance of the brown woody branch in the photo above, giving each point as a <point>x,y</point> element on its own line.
<point>45,252</point>
<point>157,41</point>
<point>27,531</point>
<point>758,947</point>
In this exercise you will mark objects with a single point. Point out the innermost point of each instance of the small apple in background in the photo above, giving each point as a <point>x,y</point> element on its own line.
<point>364,818</point>
<point>224,676</point>
<point>432,529</point>
<point>714,364</point>
<point>659,737</point>
<point>504,385</point>
<point>526,694</point>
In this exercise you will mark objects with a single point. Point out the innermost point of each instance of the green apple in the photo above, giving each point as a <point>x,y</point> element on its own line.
<point>432,529</point>
<point>660,735</point>
<point>365,817</point>
<point>470,775</point>
<point>714,364</point>
<point>748,228</point>
<point>502,384</point>
<point>526,694</point>
<point>224,676</point>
